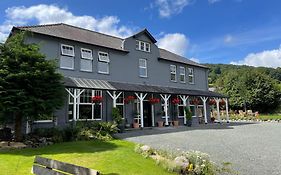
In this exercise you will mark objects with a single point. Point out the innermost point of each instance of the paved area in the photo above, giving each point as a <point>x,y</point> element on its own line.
<point>252,148</point>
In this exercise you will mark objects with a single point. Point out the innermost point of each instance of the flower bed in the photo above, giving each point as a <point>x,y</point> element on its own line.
<point>187,163</point>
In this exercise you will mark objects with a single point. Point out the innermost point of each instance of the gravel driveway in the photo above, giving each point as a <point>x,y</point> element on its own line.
<point>252,148</point>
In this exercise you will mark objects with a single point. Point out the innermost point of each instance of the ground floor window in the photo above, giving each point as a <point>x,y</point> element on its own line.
<point>192,109</point>
<point>137,111</point>
<point>86,110</point>
<point>181,107</point>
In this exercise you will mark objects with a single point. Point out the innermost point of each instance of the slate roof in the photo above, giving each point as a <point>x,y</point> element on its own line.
<point>170,56</point>
<point>74,33</point>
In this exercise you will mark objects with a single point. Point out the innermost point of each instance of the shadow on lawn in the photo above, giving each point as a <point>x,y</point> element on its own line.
<point>64,148</point>
<point>166,130</point>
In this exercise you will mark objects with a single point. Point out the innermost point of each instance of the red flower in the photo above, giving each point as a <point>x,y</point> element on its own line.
<point>212,102</point>
<point>129,99</point>
<point>154,100</point>
<point>195,101</point>
<point>176,101</point>
<point>222,102</point>
<point>96,99</point>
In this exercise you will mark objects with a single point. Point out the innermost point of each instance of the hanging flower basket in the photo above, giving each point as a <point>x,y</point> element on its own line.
<point>212,102</point>
<point>129,99</point>
<point>195,101</point>
<point>154,100</point>
<point>175,101</point>
<point>222,103</point>
<point>96,99</point>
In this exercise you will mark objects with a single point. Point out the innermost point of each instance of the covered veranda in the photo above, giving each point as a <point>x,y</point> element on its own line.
<point>114,90</point>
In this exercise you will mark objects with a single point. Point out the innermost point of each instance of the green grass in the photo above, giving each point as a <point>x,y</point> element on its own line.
<point>270,117</point>
<point>112,157</point>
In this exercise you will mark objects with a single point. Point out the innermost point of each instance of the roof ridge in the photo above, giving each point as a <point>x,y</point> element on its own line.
<point>39,25</point>
<point>56,24</point>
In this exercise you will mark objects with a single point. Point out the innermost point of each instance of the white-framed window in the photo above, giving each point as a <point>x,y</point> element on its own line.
<point>173,69</point>
<point>142,46</point>
<point>86,110</point>
<point>67,50</point>
<point>163,108</point>
<point>103,63</point>
<point>120,103</point>
<point>67,57</point>
<point>191,75</point>
<point>86,53</point>
<point>182,74</point>
<point>86,62</point>
<point>142,67</point>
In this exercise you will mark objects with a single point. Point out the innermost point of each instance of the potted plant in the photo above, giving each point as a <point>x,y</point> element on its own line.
<point>213,119</point>
<point>175,102</point>
<point>160,124</point>
<point>117,118</point>
<point>130,99</point>
<point>188,116</point>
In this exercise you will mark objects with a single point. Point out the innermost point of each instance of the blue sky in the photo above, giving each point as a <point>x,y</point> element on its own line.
<point>208,31</point>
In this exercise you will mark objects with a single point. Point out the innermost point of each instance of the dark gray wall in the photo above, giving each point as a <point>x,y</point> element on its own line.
<point>123,66</point>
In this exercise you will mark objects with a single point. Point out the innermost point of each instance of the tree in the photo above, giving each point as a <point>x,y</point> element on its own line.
<point>29,84</point>
<point>250,88</point>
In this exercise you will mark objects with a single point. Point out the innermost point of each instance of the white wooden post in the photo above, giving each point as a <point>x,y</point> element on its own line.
<point>226,108</point>
<point>114,97</point>
<point>166,98</point>
<point>141,97</point>
<point>75,96</point>
<point>184,99</point>
<point>204,99</point>
<point>152,113</point>
<point>218,109</point>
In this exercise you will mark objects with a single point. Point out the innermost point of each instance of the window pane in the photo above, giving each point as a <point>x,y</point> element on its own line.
<point>142,62</point>
<point>173,77</point>
<point>97,111</point>
<point>85,111</point>
<point>190,79</point>
<point>137,45</point>
<point>70,112</point>
<point>121,109</point>
<point>181,110</point>
<point>67,62</point>
<point>182,78</point>
<point>86,65</point>
<point>143,72</point>
<point>86,96</point>
<point>103,67</point>
<point>142,46</point>
<point>147,47</point>
<point>86,53</point>
<point>67,50</point>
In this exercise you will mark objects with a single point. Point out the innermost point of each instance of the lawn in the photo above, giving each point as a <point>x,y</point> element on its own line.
<point>112,157</point>
<point>270,117</point>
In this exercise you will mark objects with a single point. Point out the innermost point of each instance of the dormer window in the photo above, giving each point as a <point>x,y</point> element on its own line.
<point>142,46</point>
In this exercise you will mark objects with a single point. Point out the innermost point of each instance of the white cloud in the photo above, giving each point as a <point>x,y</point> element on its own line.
<point>168,8</point>
<point>228,39</point>
<point>213,1</point>
<point>47,14</point>
<point>175,42</point>
<point>267,58</point>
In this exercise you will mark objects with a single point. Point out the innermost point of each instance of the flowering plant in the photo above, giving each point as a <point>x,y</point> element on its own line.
<point>129,99</point>
<point>212,102</point>
<point>96,99</point>
<point>195,101</point>
<point>222,103</point>
<point>175,101</point>
<point>154,100</point>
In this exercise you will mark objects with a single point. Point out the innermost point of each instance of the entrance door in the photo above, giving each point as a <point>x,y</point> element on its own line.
<point>147,114</point>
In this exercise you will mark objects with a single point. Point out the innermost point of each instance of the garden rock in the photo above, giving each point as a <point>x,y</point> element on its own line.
<point>145,148</point>
<point>181,161</point>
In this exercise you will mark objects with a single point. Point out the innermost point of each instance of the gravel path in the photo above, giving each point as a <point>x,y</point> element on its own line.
<point>252,148</point>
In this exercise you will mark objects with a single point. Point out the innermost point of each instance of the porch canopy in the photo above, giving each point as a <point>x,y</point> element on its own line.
<point>141,91</point>
<point>82,83</point>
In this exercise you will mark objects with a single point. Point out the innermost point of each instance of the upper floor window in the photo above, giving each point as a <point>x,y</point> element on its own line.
<point>143,46</point>
<point>103,63</point>
<point>86,63</point>
<point>67,50</point>
<point>67,57</point>
<point>191,75</point>
<point>173,70</point>
<point>182,74</point>
<point>142,67</point>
